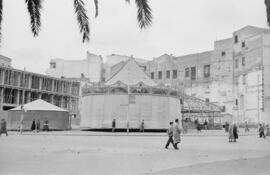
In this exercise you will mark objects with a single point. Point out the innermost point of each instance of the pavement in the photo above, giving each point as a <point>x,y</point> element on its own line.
<point>81,152</point>
<point>191,132</point>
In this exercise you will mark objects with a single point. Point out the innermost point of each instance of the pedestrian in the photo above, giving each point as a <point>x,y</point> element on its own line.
<point>176,134</point>
<point>33,126</point>
<point>246,127</point>
<point>3,127</point>
<point>113,125</point>
<point>267,130</point>
<point>46,125</point>
<point>199,129</point>
<point>205,125</point>
<point>235,132</point>
<point>227,125</point>
<point>261,131</point>
<point>38,126</point>
<point>142,126</point>
<point>170,134</point>
<point>230,133</point>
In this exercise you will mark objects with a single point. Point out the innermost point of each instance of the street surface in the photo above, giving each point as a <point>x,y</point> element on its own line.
<point>81,152</point>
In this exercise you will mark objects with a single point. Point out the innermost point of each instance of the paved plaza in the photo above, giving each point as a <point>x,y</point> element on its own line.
<point>81,152</point>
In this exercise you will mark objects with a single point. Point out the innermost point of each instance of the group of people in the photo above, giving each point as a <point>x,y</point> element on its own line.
<point>36,126</point>
<point>174,133</point>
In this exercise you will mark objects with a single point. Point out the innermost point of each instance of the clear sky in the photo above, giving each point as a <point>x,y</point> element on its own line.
<point>179,27</point>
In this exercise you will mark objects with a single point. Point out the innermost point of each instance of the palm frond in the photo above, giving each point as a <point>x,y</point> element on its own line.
<point>34,7</point>
<point>82,19</point>
<point>144,15</point>
<point>1,18</point>
<point>128,1</point>
<point>96,6</point>
<point>267,4</point>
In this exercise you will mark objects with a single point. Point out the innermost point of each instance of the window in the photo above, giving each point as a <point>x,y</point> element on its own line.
<point>206,71</point>
<point>236,63</point>
<point>152,75</point>
<point>168,74</point>
<point>243,61</point>
<point>159,74</point>
<point>193,73</point>
<point>52,65</point>
<point>223,53</point>
<point>187,72</point>
<point>235,39</point>
<point>243,44</point>
<point>174,74</point>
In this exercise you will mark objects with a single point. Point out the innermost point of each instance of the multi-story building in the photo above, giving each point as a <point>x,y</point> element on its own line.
<point>232,75</point>
<point>90,68</point>
<point>19,87</point>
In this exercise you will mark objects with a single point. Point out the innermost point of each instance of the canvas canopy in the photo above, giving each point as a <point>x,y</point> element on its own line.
<point>130,74</point>
<point>39,105</point>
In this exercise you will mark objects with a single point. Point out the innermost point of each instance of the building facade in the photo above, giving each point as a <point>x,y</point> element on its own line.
<point>18,87</point>
<point>232,75</point>
<point>90,68</point>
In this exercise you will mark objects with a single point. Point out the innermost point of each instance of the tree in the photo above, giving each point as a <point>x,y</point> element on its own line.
<point>34,8</point>
<point>267,4</point>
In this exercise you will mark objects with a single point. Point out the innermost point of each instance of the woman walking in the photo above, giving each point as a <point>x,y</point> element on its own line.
<point>176,134</point>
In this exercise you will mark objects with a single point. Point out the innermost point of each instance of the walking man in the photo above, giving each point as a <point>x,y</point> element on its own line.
<point>261,131</point>
<point>170,134</point>
<point>176,134</point>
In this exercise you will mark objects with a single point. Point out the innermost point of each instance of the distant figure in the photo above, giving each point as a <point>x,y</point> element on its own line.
<point>38,126</point>
<point>33,126</point>
<point>227,125</point>
<point>199,129</point>
<point>3,127</point>
<point>170,134</point>
<point>176,134</point>
<point>235,132</point>
<point>230,133</point>
<point>142,126</point>
<point>267,130</point>
<point>261,131</point>
<point>113,125</point>
<point>205,125</point>
<point>246,127</point>
<point>46,125</point>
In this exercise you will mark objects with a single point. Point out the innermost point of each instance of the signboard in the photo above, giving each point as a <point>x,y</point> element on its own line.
<point>131,99</point>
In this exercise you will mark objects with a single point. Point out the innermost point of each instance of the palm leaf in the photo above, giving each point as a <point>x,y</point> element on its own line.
<point>1,18</point>
<point>34,7</point>
<point>128,1</point>
<point>82,19</point>
<point>96,6</point>
<point>267,4</point>
<point>144,15</point>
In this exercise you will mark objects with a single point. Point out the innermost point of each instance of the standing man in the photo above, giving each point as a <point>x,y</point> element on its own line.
<point>176,134</point>
<point>142,126</point>
<point>113,125</point>
<point>170,134</point>
<point>3,127</point>
<point>38,126</point>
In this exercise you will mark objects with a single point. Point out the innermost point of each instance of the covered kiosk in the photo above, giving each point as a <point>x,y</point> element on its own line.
<point>129,97</point>
<point>41,110</point>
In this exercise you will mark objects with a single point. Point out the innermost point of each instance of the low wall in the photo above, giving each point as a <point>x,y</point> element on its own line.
<point>157,111</point>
